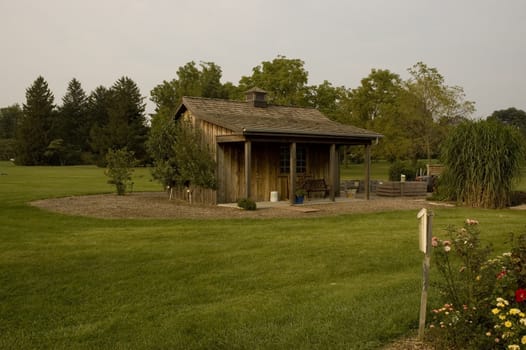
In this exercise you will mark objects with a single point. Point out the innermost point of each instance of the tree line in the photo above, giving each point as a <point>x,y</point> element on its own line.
<point>414,114</point>
<point>81,129</point>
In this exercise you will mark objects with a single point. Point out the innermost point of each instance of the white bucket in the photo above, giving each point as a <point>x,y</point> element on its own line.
<point>274,196</point>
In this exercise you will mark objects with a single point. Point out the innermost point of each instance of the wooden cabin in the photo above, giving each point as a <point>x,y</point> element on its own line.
<point>262,148</point>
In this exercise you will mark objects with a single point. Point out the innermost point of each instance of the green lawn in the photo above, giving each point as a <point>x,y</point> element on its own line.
<point>380,171</point>
<point>348,282</point>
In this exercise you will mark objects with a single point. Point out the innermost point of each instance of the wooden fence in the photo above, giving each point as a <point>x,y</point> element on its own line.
<point>399,189</point>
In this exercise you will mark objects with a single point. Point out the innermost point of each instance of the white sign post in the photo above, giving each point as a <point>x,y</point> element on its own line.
<point>425,233</point>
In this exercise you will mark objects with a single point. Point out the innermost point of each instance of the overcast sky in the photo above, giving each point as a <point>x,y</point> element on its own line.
<point>479,45</point>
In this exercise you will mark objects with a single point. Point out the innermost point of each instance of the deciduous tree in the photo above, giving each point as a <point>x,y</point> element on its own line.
<point>160,146</point>
<point>511,116</point>
<point>429,107</point>
<point>180,157</point>
<point>283,78</point>
<point>202,81</point>
<point>333,101</point>
<point>375,105</point>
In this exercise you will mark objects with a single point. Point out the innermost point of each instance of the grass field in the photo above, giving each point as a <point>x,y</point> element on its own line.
<point>347,282</point>
<point>380,171</point>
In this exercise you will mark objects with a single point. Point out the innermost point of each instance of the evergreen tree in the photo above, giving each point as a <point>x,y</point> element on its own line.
<point>33,136</point>
<point>9,119</point>
<point>126,124</point>
<point>70,126</point>
<point>97,118</point>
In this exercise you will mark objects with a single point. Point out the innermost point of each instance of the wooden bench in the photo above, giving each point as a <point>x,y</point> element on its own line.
<point>316,185</point>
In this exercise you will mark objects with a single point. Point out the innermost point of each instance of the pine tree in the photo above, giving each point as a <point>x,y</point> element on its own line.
<point>97,115</point>
<point>73,116</point>
<point>9,119</point>
<point>70,128</point>
<point>125,126</point>
<point>33,136</point>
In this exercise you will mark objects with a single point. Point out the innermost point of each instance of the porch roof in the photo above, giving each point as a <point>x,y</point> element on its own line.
<point>245,119</point>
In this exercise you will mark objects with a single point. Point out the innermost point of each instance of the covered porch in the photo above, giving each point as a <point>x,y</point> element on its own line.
<point>257,164</point>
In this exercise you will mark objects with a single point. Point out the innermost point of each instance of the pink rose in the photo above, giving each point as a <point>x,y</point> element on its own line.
<point>471,222</point>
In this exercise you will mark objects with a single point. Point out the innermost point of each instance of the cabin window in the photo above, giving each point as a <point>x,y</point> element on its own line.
<point>284,159</point>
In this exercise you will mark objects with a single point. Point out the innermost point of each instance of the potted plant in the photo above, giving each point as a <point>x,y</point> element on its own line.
<point>300,195</point>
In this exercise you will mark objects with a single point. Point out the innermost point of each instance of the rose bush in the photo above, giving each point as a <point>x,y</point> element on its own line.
<point>482,299</point>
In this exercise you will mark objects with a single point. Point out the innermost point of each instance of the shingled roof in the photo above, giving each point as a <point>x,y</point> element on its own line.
<point>245,119</point>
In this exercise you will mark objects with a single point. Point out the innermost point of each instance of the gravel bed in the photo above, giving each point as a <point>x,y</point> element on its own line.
<point>155,205</point>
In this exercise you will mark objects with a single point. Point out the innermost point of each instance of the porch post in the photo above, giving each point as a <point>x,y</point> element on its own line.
<point>367,170</point>
<point>292,193</point>
<point>248,167</point>
<point>220,176</point>
<point>333,163</point>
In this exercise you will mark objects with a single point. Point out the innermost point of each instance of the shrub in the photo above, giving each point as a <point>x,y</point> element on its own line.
<point>180,155</point>
<point>517,198</point>
<point>410,170</point>
<point>482,302</point>
<point>300,192</point>
<point>247,204</point>
<point>120,169</point>
<point>7,149</point>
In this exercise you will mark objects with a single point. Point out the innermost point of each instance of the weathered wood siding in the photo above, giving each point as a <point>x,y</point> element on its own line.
<point>209,130</point>
<point>266,176</point>
<point>318,161</point>
<point>201,195</point>
<point>231,172</point>
<point>265,170</point>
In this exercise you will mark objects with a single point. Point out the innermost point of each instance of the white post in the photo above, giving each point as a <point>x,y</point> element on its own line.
<point>426,232</point>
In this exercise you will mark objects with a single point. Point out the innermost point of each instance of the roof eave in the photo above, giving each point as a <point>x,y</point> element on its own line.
<point>260,132</point>
<point>180,110</point>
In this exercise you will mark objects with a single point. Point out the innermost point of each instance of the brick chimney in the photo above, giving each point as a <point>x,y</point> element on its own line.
<point>257,97</point>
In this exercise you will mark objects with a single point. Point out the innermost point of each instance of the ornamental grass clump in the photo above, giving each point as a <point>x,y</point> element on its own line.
<point>482,163</point>
<point>483,300</point>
